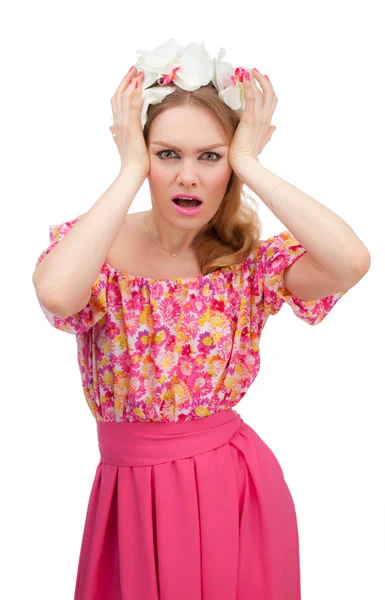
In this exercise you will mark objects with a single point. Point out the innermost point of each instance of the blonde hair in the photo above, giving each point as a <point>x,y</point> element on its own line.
<point>234,231</point>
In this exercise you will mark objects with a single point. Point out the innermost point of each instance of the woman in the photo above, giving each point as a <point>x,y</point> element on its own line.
<point>168,308</point>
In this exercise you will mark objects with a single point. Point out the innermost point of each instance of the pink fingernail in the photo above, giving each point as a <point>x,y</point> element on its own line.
<point>140,73</point>
<point>267,78</point>
<point>256,70</point>
<point>136,84</point>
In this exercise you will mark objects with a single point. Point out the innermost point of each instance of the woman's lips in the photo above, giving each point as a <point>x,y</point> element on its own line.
<point>192,196</point>
<point>188,211</point>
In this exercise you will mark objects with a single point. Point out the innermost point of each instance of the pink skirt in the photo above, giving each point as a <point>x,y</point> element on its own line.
<point>198,510</point>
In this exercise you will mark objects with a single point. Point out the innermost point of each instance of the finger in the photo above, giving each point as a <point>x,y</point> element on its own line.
<point>115,100</point>
<point>132,85</point>
<point>127,105</point>
<point>120,99</point>
<point>131,102</point>
<point>126,80</point>
<point>270,93</point>
<point>113,104</point>
<point>270,85</point>
<point>136,101</point>
<point>250,96</point>
<point>119,89</point>
<point>265,84</point>
<point>258,96</point>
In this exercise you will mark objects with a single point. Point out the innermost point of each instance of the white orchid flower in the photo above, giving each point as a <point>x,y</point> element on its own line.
<point>229,82</point>
<point>189,67</point>
<point>153,95</point>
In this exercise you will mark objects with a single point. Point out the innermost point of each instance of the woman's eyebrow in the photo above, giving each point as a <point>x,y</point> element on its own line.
<point>216,145</point>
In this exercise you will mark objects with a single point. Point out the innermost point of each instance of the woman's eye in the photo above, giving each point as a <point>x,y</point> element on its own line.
<point>165,151</point>
<point>216,156</point>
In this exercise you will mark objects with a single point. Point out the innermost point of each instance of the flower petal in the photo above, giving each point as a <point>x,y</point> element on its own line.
<point>224,73</point>
<point>232,97</point>
<point>160,57</point>
<point>196,67</point>
<point>189,67</point>
<point>221,54</point>
<point>149,77</point>
<point>153,95</point>
<point>215,61</point>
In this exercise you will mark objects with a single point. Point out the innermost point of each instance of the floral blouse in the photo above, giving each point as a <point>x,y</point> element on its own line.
<point>184,348</point>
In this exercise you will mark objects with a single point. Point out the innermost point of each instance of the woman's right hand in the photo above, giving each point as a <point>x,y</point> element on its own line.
<point>126,106</point>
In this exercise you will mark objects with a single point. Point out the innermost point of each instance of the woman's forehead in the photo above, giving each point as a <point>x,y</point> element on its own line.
<point>187,127</point>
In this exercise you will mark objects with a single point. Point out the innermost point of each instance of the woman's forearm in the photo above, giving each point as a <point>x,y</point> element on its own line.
<point>328,239</point>
<point>64,279</point>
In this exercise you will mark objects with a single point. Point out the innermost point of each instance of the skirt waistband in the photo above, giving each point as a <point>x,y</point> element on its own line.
<point>143,444</point>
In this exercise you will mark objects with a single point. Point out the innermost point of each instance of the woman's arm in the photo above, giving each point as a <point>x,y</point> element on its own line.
<point>64,278</point>
<point>336,258</point>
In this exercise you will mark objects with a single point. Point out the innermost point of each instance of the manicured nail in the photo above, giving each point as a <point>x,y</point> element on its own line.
<point>256,70</point>
<point>140,73</point>
<point>136,84</point>
<point>267,78</point>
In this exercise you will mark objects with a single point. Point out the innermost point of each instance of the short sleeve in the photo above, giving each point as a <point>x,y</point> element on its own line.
<point>277,253</point>
<point>96,308</point>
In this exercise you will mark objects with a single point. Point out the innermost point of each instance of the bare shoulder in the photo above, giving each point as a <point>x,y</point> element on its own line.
<point>134,218</point>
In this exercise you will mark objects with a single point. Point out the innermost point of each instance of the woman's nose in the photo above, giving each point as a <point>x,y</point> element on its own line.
<point>188,174</point>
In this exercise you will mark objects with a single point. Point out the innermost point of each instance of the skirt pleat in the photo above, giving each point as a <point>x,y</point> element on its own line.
<point>217,524</point>
<point>269,563</point>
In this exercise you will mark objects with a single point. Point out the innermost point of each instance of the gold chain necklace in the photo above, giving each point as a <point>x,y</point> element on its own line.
<point>173,254</point>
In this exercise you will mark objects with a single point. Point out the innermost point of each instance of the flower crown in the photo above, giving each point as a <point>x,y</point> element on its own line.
<point>188,67</point>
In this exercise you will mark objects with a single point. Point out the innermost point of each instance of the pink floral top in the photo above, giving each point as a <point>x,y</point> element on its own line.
<point>180,349</point>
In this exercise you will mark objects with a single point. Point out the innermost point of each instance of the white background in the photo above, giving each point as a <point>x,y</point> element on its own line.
<point>318,400</point>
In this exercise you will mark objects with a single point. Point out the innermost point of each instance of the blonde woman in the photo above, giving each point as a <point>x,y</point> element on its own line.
<point>168,308</point>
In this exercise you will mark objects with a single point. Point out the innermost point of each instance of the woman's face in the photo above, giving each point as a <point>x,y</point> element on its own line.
<point>188,155</point>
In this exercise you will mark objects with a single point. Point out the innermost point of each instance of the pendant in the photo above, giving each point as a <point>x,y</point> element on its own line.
<point>173,255</point>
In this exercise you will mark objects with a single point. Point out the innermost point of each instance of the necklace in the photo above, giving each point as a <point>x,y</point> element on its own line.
<point>173,254</point>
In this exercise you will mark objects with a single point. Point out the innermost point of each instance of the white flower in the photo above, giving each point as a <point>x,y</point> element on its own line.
<point>189,67</point>
<point>229,82</point>
<point>153,95</point>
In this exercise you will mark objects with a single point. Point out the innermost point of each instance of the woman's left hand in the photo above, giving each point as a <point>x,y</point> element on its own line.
<point>254,129</point>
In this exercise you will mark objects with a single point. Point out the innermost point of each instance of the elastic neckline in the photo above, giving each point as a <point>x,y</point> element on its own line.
<point>150,280</point>
<point>131,277</point>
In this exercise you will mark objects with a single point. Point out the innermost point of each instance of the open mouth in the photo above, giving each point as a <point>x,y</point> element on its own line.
<point>187,203</point>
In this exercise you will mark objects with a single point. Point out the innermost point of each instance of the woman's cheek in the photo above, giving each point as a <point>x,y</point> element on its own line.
<point>221,180</point>
<point>157,175</point>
